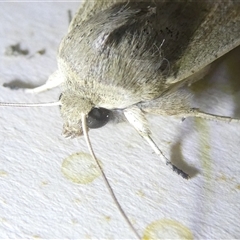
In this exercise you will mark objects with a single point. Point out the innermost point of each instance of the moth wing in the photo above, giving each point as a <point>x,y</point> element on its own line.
<point>218,34</point>
<point>162,44</point>
<point>90,8</point>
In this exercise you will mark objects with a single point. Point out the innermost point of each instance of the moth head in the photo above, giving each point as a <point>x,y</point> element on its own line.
<point>78,113</point>
<point>74,107</point>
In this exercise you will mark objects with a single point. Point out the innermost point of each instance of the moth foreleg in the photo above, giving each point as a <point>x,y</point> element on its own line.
<point>54,80</point>
<point>137,119</point>
<point>177,104</point>
<point>195,112</point>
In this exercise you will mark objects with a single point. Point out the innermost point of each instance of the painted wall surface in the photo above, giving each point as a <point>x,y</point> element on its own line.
<point>50,188</point>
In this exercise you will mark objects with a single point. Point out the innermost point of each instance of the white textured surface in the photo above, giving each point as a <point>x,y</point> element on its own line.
<point>37,201</point>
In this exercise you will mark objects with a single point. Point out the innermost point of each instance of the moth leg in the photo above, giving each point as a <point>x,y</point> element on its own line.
<point>177,103</point>
<point>137,119</point>
<point>195,112</point>
<point>54,80</point>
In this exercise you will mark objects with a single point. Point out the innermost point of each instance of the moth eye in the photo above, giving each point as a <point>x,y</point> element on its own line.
<point>98,117</point>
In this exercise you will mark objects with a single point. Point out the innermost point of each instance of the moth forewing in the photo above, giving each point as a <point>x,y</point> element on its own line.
<point>210,41</point>
<point>217,29</point>
<point>131,37</point>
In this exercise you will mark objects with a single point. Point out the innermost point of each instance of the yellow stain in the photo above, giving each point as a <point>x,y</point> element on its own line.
<point>80,168</point>
<point>204,146</point>
<point>107,218</point>
<point>3,173</point>
<point>167,229</point>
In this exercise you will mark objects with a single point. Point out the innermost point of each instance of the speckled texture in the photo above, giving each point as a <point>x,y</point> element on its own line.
<point>38,201</point>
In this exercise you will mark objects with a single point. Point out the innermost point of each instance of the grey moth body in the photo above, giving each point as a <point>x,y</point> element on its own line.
<point>118,55</point>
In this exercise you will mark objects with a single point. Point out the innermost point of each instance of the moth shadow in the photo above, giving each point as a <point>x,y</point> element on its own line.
<point>19,84</point>
<point>228,84</point>
<point>177,159</point>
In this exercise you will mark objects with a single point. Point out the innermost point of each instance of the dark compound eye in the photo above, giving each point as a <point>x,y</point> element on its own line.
<point>98,117</point>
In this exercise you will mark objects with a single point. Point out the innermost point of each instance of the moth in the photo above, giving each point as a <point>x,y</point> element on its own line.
<point>121,60</point>
<point>125,59</point>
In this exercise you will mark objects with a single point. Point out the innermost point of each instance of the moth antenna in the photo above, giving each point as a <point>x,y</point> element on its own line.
<point>47,104</point>
<point>85,133</point>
